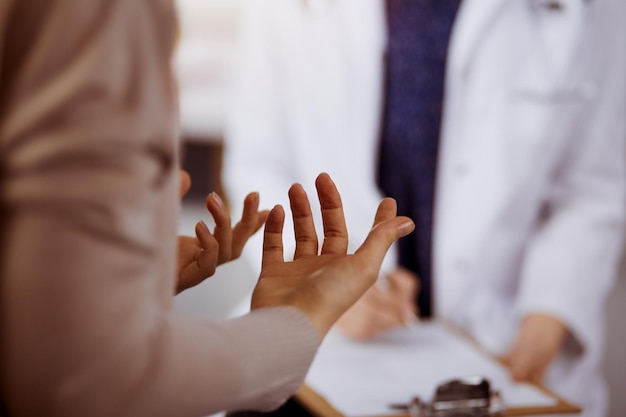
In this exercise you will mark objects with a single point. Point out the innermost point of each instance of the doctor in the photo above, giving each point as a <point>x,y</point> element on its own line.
<point>528,194</point>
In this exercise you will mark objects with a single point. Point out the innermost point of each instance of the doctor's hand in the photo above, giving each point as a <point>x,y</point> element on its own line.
<point>539,340</point>
<point>323,284</point>
<point>199,256</point>
<point>382,308</point>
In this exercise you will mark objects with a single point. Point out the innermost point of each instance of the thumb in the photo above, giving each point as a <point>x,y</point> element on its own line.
<point>381,237</point>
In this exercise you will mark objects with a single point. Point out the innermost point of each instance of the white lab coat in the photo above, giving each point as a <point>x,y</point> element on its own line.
<point>530,191</point>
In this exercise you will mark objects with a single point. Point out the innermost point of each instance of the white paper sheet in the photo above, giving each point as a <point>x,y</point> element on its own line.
<point>363,379</point>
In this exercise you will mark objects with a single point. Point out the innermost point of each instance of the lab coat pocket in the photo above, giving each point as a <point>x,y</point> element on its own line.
<point>559,38</point>
<point>540,131</point>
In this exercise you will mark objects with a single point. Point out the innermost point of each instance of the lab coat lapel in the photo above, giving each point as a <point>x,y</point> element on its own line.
<point>472,23</point>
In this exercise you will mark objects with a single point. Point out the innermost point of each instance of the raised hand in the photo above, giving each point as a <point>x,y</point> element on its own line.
<point>323,284</point>
<point>199,256</point>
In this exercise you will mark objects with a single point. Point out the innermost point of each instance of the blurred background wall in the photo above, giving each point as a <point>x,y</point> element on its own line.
<point>203,61</point>
<point>205,53</point>
<point>203,65</point>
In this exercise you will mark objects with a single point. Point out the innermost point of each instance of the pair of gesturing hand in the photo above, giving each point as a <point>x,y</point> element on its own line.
<point>325,284</point>
<point>322,283</point>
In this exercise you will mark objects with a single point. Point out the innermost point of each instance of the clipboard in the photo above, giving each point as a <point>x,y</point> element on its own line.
<point>327,396</point>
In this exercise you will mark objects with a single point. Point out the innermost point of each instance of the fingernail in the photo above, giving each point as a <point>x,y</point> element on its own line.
<point>217,199</point>
<point>203,226</point>
<point>405,228</point>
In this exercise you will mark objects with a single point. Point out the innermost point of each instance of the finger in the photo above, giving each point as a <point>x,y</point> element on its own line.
<point>222,231</point>
<point>185,183</point>
<point>335,230</point>
<point>205,262</point>
<point>303,225</point>
<point>372,251</point>
<point>273,237</point>
<point>251,221</point>
<point>208,243</point>
<point>188,247</point>
<point>387,209</point>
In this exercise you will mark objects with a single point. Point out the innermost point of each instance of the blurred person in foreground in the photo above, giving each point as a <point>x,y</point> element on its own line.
<point>498,126</point>
<point>89,187</point>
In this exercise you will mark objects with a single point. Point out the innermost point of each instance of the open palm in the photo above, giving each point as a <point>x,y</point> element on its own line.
<point>323,284</point>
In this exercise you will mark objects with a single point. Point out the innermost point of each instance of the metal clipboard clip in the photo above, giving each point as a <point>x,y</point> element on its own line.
<point>463,397</point>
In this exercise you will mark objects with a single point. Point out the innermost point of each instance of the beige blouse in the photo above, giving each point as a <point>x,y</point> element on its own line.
<point>88,193</point>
